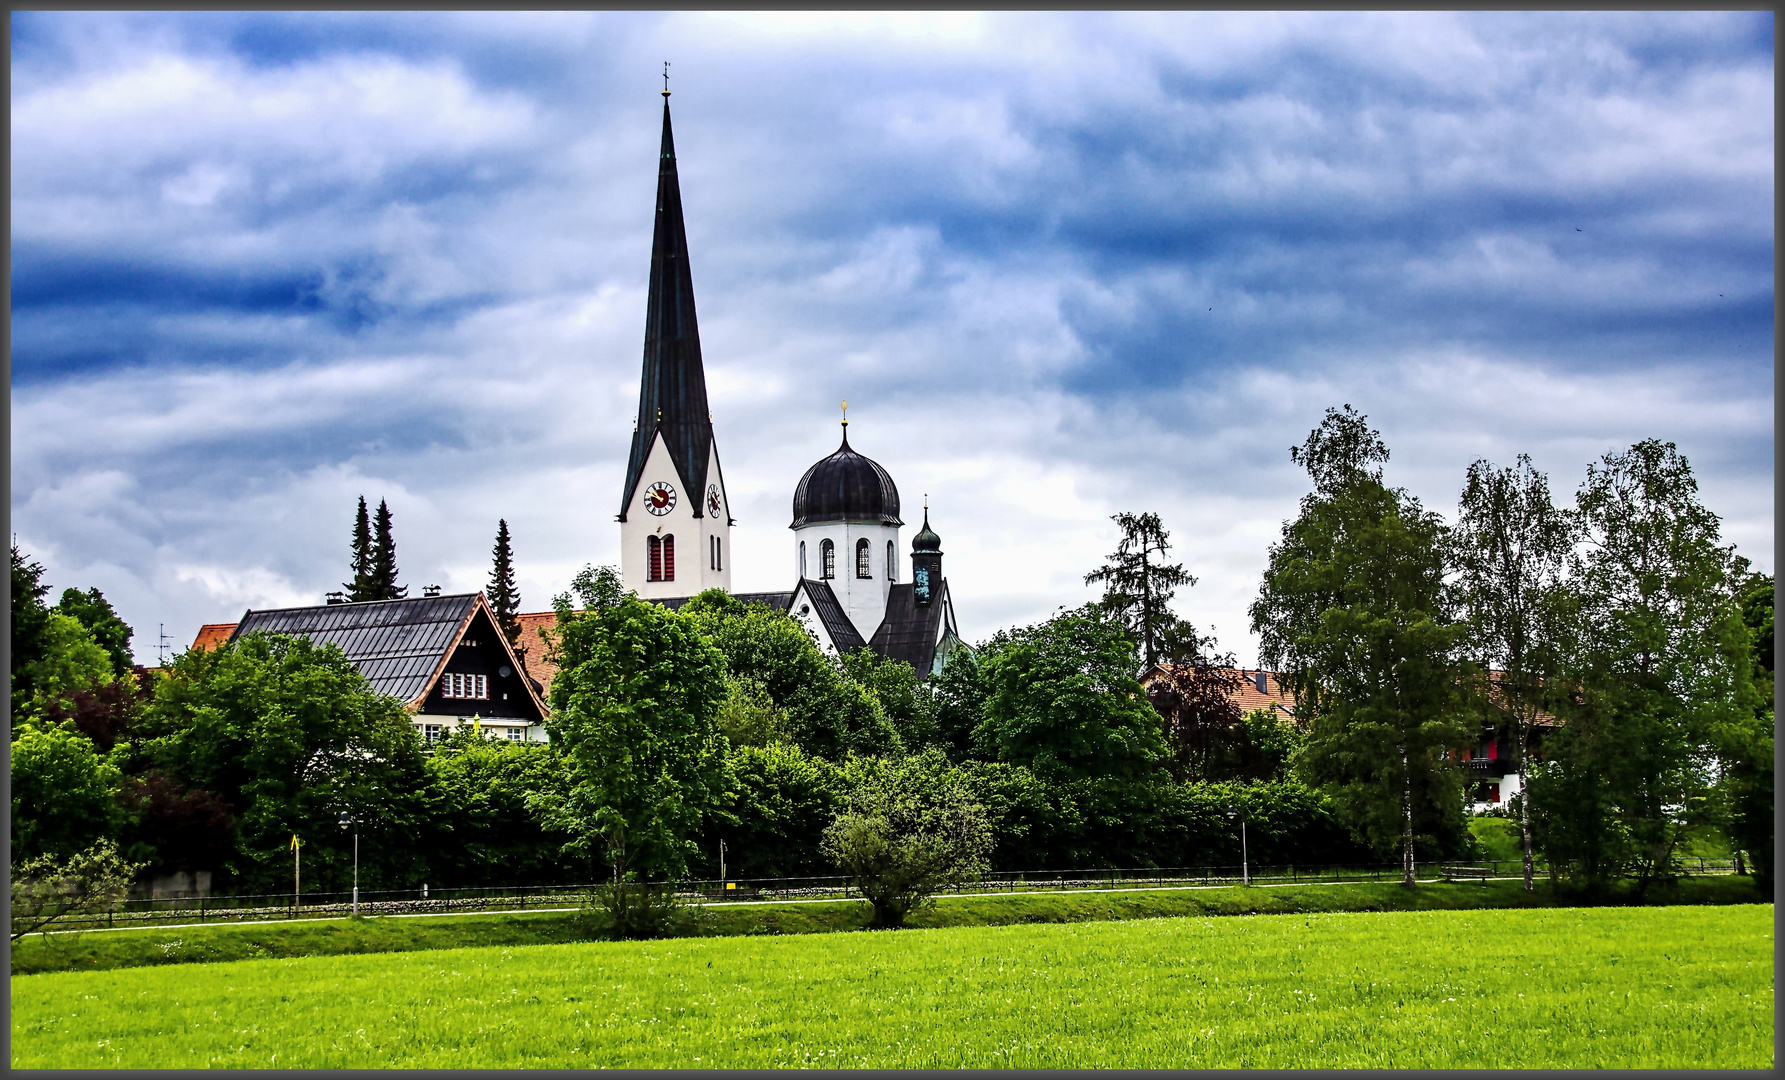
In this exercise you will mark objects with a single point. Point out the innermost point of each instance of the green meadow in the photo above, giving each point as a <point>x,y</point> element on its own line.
<point>1631,987</point>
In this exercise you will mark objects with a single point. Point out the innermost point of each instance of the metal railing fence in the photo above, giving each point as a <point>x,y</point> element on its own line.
<point>422,900</point>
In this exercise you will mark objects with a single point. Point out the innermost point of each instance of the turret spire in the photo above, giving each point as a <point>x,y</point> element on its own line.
<point>672,391</point>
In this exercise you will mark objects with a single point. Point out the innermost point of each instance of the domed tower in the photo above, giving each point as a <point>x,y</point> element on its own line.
<point>926,564</point>
<point>846,532</point>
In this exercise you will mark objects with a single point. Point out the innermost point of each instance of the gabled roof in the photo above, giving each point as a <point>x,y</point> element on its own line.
<point>211,635</point>
<point>843,633</point>
<point>672,391</point>
<point>911,633</point>
<point>399,646</point>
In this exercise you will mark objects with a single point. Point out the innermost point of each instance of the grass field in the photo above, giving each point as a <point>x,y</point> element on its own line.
<point>94,951</point>
<point>1673,987</point>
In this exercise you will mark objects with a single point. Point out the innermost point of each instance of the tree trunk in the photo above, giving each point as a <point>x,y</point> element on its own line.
<point>1524,802</point>
<point>1407,878</point>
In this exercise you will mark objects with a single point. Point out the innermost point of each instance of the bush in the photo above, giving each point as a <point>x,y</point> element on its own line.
<point>907,830</point>
<point>629,910</point>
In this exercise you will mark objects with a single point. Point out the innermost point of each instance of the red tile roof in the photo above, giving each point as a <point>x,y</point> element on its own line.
<point>538,666</point>
<point>1274,698</point>
<point>211,635</point>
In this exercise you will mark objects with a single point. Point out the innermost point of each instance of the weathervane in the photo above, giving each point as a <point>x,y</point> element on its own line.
<point>666,78</point>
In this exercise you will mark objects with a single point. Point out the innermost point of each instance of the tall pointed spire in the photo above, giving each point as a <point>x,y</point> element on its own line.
<point>672,391</point>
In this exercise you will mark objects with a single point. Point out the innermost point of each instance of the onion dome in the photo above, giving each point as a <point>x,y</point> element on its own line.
<point>926,540</point>
<point>846,487</point>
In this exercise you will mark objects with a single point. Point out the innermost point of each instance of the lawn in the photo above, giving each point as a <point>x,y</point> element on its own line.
<point>150,946</point>
<point>1671,987</point>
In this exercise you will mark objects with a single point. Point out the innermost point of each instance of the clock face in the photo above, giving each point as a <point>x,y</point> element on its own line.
<point>660,498</point>
<point>713,501</point>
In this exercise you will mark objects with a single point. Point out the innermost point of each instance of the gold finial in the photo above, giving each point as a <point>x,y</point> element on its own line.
<point>845,413</point>
<point>666,78</point>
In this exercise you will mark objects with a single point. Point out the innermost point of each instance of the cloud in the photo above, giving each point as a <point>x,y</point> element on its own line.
<point>1061,265</point>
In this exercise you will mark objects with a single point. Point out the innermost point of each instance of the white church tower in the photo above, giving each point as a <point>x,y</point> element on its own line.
<point>675,519</point>
<point>846,533</point>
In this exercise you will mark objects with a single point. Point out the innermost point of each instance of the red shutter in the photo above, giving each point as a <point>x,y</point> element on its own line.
<point>654,553</point>
<point>669,558</point>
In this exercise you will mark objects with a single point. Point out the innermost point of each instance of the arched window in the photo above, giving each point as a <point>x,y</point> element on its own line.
<point>715,553</point>
<point>669,558</point>
<point>827,560</point>
<point>864,565</point>
<point>653,559</point>
<point>802,558</point>
<point>892,562</point>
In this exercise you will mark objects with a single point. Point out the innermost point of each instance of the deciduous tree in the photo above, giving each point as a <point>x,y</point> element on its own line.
<point>111,633</point>
<point>1062,700</point>
<point>1510,549</point>
<point>906,829</point>
<point>635,717</point>
<point>1352,611</point>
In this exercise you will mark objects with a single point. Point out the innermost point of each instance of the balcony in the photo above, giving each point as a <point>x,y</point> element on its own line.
<point>1483,768</point>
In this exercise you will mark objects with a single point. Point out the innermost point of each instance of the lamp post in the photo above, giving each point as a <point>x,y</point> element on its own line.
<point>348,822</point>
<point>1245,857</point>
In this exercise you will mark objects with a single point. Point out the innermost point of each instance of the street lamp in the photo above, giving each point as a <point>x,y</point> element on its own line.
<point>347,822</point>
<point>1245,857</point>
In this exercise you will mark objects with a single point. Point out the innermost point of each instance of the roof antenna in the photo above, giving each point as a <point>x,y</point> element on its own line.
<point>666,79</point>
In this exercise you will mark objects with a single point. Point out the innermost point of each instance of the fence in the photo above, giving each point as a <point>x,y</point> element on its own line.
<point>418,901</point>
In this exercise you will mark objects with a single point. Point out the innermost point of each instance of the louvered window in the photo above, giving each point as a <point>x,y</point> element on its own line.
<point>660,558</point>
<point>455,685</point>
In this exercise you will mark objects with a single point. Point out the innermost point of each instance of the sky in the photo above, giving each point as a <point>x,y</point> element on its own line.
<point>1060,265</point>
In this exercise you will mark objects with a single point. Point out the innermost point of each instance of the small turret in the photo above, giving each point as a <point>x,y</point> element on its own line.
<point>926,562</point>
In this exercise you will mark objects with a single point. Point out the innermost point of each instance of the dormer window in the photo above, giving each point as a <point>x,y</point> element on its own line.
<point>864,564</point>
<point>827,560</point>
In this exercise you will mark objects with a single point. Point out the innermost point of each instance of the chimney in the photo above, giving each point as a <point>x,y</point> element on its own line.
<point>336,597</point>
<point>1258,680</point>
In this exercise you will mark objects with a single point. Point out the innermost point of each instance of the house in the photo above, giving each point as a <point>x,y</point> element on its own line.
<point>442,656</point>
<point>1491,767</point>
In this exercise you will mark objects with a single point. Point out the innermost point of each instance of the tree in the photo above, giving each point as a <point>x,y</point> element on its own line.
<point>1138,589</point>
<point>30,625</point>
<point>63,793</point>
<point>1662,665</point>
<point>289,734</point>
<point>749,716</point>
<point>170,826</point>
<point>384,558</point>
<point>1510,549</point>
<point>828,713</point>
<point>907,703</point>
<point>109,632</point>
<point>46,889</point>
<point>958,693</point>
<point>364,585</point>
<point>907,829</point>
<point>503,595</point>
<point>1062,700</point>
<point>634,715</point>
<point>483,830</point>
<point>1206,736</point>
<point>1352,611</point>
<point>69,662</point>
<point>784,799</point>
<point>1747,750</point>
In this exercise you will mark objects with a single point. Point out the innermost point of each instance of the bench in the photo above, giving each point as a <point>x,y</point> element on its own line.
<point>1479,873</point>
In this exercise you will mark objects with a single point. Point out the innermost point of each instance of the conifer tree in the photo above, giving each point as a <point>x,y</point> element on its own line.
<point>384,558</point>
<point>504,597</point>
<point>1138,589</point>
<point>362,587</point>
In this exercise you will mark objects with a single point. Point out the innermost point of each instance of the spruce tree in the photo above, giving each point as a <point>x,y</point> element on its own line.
<point>384,558</point>
<point>362,587</point>
<point>1138,590</point>
<point>504,597</point>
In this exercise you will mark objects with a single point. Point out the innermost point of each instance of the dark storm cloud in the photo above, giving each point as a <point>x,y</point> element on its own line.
<point>1061,265</point>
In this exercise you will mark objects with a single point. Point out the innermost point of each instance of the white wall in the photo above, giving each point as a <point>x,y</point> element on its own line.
<point>693,535</point>
<point>863,598</point>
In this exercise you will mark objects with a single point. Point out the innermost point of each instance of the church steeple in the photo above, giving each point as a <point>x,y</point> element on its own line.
<point>672,391</point>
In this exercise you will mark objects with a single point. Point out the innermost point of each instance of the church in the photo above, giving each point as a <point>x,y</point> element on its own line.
<point>675,519</point>
<point>444,657</point>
